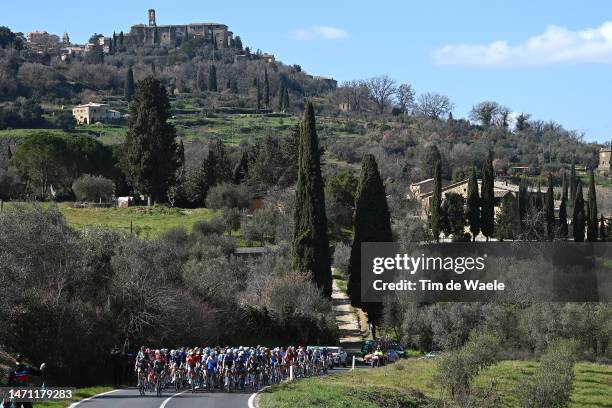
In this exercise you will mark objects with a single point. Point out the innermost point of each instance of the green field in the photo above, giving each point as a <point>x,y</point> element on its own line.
<point>147,222</point>
<point>406,384</point>
<point>80,394</point>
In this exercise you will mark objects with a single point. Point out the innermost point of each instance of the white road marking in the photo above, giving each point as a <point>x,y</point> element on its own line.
<point>253,396</point>
<point>90,398</point>
<point>163,405</point>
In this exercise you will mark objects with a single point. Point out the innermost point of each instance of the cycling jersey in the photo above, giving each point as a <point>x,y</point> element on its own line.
<point>211,364</point>
<point>158,366</point>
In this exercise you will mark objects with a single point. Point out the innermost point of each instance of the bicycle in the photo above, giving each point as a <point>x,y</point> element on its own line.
<point>159,384</point>
<point>142,382</point>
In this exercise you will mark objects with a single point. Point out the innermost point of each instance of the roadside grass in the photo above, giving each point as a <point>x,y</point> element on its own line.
<point>79,394</point>
<point>593,385</point>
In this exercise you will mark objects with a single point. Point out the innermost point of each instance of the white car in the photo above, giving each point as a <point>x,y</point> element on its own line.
<point>338,355</point>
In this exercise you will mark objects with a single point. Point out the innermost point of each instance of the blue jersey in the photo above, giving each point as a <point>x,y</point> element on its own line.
<point>211,364</point>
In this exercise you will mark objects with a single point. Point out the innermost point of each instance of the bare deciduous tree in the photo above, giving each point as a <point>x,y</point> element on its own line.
<point>354,93</point>
<point>433,105</point>
<point>490,113</point>
<point>405,97</point>
<point>382,89</point>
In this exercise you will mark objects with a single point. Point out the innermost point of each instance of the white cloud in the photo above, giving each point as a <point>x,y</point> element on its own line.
<point>319,33</point>
<point>556,45</point>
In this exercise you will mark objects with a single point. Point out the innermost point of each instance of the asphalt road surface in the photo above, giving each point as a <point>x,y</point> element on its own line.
<point>130,398</point>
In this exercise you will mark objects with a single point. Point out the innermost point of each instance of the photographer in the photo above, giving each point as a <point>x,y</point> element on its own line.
<point>21,376</point>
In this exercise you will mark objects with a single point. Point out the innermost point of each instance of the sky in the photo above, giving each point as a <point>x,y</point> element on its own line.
<point>551,59</point>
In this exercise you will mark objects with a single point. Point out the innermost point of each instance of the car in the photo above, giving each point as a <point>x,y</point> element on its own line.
<point>339,356</point>
<point>367,347</point>
<point>399,350</point>
<point>432,354</point>
<point>391,356</point>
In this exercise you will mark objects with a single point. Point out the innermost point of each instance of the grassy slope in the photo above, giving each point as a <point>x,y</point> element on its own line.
<point>593,385</point>
<point>80,394</point>
<point>232,128</point>
<point>147,222</point>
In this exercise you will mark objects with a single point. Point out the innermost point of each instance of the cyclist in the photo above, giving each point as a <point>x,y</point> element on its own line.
<point>158,368</point>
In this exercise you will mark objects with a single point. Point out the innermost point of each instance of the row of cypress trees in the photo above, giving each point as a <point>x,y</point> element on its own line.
<point>371,221</point>
<point>480,209</point>
<point>480,206</point>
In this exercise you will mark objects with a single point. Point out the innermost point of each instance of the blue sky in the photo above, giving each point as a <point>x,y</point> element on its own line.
<point>552,59</point>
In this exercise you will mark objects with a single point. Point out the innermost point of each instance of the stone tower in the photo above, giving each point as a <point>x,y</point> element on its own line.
<point>152,18</point>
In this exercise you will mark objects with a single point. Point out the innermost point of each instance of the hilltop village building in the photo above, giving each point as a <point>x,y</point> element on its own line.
<point>174,34</point>
<point>604,160</point>
<point>94,112</point>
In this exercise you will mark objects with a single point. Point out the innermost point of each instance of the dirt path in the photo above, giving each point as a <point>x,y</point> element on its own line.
<point>346,319</point>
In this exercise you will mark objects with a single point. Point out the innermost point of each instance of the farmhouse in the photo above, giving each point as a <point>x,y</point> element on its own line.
<point>423,193</point>
<point>604,160</point>
<point>94,112</point>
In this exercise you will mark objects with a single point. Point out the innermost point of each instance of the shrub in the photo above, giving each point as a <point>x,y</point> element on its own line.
<point>231,218</point>
<point>228,196</point>
<point>457,368</point>
<point>552,384</point>
<point>342,253</point>
<point>93,188</point>
<point>213,226</point>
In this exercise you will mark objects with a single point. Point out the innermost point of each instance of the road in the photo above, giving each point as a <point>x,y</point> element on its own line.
<point>130,398</point>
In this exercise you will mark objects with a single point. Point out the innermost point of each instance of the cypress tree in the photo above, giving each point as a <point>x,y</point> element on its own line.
<point>436,202</point>
<point>563,231</point>
<point>121,38</point>
<point>550,209</point>
<point>241,171</point>
<point>212,78</point>
<point>505,219</point>
<point>310,242</point>
<point>208,175</point>
<point>592,221</point>
<point>281,91</point>
<point>523,203</point>
<point>578,218</point>
<point>286,104</point>
<point>371,223</point>
<point>258,96</point>
<point>487,200</point>
<point>572,182</point>
<point>266,89</point>
<point>603,229</point>
<point>128,89</point>
<point>201,80</point>
<point>473,205</point>
<point>149,139</point>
